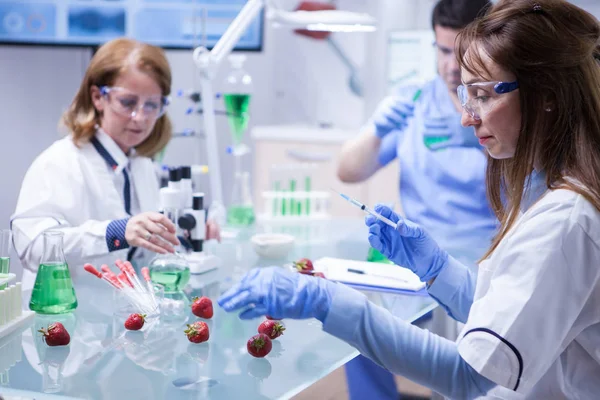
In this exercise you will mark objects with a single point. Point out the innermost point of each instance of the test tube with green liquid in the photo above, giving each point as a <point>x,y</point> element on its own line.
<point>5,242</point>
<point>299,202</point>
<point>292,200</point>
<point>307,189</point>
<point>283,204</point>
<point>276,199</point>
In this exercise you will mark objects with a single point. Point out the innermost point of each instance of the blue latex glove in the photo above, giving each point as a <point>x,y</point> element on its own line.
<point>408,246</point>
<point>442,132</point>
<point>388,149</point>
<point>279,293</point>
<point>391,114</point>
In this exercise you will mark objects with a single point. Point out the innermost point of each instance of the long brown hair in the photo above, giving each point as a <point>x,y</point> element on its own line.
<point>110,60</point>
<point>552,47</point>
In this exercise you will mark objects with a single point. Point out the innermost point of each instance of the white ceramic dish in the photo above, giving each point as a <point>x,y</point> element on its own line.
<point>272,245</point>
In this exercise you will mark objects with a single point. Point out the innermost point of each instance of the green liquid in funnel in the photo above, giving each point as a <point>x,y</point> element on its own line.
<point>236,106</point>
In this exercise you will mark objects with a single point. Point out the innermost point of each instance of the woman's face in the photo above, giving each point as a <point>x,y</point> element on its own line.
<point>129,108</point>
<point>499,122</point>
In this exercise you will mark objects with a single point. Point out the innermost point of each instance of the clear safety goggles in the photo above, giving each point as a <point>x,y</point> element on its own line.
<point>479,98</point>
<point>129,104</point>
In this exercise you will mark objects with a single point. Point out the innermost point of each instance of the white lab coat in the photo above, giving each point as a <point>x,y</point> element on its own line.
<point>75,191</point>
<point>534,326</point>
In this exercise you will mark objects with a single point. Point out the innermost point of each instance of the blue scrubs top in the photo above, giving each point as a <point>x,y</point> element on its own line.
<point>442,190</point>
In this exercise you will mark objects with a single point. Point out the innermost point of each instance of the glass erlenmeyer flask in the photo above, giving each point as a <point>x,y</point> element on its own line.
<point>53,292</point>
<point>241,210</point>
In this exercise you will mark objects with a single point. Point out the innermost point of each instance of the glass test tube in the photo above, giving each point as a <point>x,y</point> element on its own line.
<point>276,188</point>
<point>307,190</point>
<point>5,243</point>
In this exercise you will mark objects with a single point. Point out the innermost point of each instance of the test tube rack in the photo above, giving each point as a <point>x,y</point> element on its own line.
<point>292,195</point>
<point>286,206</point>
<point>12,316</point>
<point>10,354</point>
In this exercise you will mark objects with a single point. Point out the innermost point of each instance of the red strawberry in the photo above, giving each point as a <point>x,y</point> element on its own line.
<point>304,265</point>
<point>56,335</point>
<point>197,332</point>
<point>319,274</point>
<point>259,345</point>
<point>272,329</point>
<point>135,322</point>
<point>202,307</point>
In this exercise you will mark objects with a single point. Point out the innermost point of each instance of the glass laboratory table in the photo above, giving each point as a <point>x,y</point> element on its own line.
<point>104,361</point>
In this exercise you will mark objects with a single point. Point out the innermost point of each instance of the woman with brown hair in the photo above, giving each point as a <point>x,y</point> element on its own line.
<point>531,90</point>
<point>98,185</point>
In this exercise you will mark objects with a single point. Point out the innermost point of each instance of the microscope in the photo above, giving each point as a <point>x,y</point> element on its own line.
<point>190,219</point>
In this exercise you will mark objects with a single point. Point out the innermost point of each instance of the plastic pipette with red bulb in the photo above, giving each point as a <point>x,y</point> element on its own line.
<point>146,276</point>
<point>128,284</point>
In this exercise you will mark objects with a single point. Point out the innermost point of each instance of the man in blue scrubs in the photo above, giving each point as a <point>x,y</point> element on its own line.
<point>442,166</point>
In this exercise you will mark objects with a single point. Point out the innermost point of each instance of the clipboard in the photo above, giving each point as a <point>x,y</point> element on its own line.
<point>375,276</point>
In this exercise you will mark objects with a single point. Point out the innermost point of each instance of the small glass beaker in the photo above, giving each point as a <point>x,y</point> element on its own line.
<point>172,271</point>
<point>53,291</point>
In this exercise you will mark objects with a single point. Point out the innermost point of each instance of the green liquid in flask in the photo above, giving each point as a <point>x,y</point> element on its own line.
<point>173,279</point>
<point>236,106</point>
<point>53,292</point>
<point>4,269</point>
<point>240,215</point>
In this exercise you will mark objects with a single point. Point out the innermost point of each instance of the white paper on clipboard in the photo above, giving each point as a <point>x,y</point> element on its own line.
<point>377,275</point>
